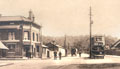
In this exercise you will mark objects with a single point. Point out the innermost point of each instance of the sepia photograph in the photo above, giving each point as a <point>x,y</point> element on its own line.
<point>59,34</point>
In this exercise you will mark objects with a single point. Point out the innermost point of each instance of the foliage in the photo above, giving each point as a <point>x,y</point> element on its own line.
<point>81,41</point>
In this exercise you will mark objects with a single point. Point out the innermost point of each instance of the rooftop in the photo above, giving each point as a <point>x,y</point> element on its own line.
<point>14,18</point>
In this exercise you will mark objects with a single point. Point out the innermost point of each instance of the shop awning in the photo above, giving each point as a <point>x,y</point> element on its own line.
<point>2,46</point>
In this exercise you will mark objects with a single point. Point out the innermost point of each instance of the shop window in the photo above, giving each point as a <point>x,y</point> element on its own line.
<point>26,35</point>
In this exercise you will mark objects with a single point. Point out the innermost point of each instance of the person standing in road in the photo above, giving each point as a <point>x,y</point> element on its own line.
<point>79,53</point>
<point>55,55</point>
<point>60,54</point>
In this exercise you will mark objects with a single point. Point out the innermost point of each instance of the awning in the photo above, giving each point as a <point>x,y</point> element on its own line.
<point>44,46</point>
<point>58,46</point>
<point>2,46</point>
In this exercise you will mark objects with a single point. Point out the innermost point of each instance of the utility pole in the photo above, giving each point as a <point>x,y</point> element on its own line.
<point>65,46</point>
<point>91,22</point>
<point>41,42</point>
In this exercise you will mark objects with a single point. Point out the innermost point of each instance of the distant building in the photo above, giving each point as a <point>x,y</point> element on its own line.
<point>20,35</point>
<point>114,49</point>
<point>116,45</point>
<point>52,47</point>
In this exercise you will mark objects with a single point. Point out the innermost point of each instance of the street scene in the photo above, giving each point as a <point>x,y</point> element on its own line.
<point>59,34</point>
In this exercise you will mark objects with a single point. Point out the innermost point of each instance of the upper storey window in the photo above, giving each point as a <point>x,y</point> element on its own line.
<point>33,36</point>
<point>26,35</point>
<point>98,39</point>
<point>37,37</point>
<point>11,35</point>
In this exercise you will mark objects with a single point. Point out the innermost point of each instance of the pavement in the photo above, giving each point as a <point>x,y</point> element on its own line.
<point>65,63</point>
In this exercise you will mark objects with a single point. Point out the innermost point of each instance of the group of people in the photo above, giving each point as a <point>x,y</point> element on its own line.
<point>75,51</point>
<point>55,55</point>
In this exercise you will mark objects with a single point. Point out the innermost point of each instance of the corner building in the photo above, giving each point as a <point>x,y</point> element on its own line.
<point>20,35</point>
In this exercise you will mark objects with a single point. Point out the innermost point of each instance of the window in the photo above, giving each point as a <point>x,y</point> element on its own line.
<point>26,35</point>
<point>11,47</point>
<point>33,36</point>
<point>11,35</point>
<point>98,39</point>
<point>37,37</point>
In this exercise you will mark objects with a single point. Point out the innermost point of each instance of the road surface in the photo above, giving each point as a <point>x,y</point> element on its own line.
<point>110,62</point>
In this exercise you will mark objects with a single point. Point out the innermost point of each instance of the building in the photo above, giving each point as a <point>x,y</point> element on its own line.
<point>53,47</point>
<point>2,49</point>
<point>20,35</point>
<point>44,51</point>
<point>114,49</point>
<point>116,45</point>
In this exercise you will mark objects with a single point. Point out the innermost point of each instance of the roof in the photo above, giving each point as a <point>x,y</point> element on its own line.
<point>44,46</point>
<point>2,46</point>
<point>14,18</point>
<point>116,44</point>
<point>58,46</point>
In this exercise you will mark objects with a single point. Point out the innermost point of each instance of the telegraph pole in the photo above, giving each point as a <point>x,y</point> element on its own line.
<point>91,22</point>
<point>65,46</point>
<point>41,41</point>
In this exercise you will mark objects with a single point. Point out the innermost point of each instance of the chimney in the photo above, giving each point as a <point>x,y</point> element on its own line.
<point>30,15</point>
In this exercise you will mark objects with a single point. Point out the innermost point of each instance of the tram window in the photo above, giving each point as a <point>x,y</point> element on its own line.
<point>98,39</point>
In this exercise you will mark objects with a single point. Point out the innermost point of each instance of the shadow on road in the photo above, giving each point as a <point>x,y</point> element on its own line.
<point>87,66</point>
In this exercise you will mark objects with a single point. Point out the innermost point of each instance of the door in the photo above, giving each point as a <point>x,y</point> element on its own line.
<point>3,53</point>
<point>27,49</point>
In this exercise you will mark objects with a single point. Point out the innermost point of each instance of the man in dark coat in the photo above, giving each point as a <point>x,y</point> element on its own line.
<point>55,55</point>
<point>60,54</point>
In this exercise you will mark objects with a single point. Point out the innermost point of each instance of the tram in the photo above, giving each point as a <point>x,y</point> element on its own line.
<point>97,47</point>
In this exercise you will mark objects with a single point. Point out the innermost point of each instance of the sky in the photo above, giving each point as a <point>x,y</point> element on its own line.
<point>70,17</point>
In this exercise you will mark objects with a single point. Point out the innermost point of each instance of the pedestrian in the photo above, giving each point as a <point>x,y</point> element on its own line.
<point>79,53</point>
<point>55,55</point>
<point>48,54</point>
<point>60,55</point>
<point>29,55</point>
<point>72,52</point>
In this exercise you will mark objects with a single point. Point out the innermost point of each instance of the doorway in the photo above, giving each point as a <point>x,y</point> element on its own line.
<point>3,53</point>
<point>27,49</point>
